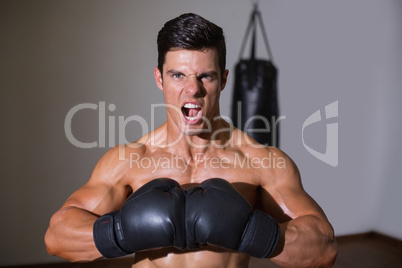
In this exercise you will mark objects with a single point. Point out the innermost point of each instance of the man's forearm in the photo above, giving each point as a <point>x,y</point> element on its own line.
<point>307,241</point>
<point>70,235</point>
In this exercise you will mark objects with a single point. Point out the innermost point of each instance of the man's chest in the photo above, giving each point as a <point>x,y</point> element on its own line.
<point>238,170</point>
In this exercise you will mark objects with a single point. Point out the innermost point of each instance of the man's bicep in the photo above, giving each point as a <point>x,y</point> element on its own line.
<point>97,199</point>
<point>296,203</point>
<point>104,192</point>
<point>285,198</point>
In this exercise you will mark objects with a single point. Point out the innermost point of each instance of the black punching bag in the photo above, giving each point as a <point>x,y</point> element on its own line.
<point>255,101</point>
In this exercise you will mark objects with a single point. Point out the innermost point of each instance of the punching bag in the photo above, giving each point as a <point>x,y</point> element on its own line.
<point>255,101</point>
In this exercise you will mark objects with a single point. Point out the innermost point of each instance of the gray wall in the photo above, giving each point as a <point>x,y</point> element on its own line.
<point>55,55</point>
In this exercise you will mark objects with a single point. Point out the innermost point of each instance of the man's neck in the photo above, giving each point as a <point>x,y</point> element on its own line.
<point>196,146</point>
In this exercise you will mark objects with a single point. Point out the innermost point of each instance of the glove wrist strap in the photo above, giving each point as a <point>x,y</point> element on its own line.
<point>104,237</point>
<point>261,235</point>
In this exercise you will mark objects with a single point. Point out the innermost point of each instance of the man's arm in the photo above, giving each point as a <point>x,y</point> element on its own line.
<point>307,240</point>
<point>70,232</point>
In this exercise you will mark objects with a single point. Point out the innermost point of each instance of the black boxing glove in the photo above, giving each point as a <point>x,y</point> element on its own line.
<point>217,214</point>
<point>152,217</point>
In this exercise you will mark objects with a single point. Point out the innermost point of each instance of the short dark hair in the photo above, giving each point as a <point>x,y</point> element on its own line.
<point>193,32</point>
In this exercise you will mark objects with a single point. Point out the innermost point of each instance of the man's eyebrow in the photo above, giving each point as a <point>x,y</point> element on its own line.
<point>173,72</point>
<point>211,73</point>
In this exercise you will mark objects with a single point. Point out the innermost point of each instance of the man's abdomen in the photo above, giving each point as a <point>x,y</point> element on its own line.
<point>209,256</point>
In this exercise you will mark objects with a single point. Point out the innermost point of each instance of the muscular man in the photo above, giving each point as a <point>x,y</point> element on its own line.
<point>195,192</point>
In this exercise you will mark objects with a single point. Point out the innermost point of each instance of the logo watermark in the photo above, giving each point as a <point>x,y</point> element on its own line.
<point>122,122</point>
<point>330,156</point>
<point>154,164</point>
<point>108,124</point>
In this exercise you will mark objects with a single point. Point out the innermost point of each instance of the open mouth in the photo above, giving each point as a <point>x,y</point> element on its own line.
<point>192,112</point>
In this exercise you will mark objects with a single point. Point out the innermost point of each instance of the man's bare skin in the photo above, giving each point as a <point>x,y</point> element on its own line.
<point>191,151</point>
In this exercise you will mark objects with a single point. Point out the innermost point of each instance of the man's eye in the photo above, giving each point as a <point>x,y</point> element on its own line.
<point>177,76</point>
<point>207,77</point>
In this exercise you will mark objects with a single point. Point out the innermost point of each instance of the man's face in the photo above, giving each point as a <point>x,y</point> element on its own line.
<point>191,85</point>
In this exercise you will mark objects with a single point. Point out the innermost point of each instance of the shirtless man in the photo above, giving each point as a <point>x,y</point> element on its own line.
<point>155,197</point>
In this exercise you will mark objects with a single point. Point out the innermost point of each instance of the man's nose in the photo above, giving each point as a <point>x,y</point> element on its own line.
<point>193,85</point>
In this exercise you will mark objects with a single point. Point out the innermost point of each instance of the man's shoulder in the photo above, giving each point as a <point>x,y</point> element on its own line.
<point>143,146</point>
<point>248,145</point>
<point>118,156</point>
<point>268,158</point>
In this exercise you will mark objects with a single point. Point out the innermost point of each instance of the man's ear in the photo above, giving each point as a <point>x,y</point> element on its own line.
<point>224,79</point>
<point>158,78</point>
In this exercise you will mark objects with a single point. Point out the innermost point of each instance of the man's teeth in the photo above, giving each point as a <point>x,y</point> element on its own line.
<point>194,117</point>
<point>191,105</point>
